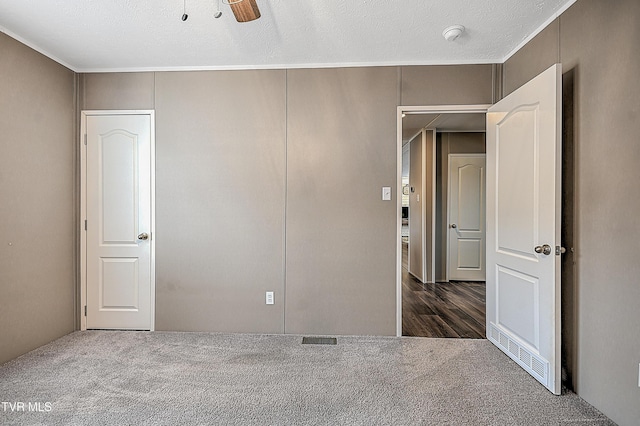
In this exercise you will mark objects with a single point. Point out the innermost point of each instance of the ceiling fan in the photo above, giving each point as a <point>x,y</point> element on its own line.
<point>243,10</point>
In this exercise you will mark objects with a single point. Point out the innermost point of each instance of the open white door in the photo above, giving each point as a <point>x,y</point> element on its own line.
<point>523,226</point>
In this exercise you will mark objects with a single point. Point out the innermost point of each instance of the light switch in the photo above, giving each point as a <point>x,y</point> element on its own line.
<point>386,193</point>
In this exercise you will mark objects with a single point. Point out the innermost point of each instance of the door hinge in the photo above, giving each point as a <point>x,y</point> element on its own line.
<point>85,224</point>
<point>85,138</point>
<point>85,310</point>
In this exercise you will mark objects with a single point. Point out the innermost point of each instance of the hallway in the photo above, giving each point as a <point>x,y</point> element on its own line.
<point>455,309</point>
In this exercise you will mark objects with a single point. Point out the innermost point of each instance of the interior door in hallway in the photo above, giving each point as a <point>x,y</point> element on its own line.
<point>466,242</point>
<point>118,182</point>
<point>523,226</point>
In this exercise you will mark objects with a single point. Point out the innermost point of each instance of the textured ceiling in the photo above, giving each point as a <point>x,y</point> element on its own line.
<point>121,35</point>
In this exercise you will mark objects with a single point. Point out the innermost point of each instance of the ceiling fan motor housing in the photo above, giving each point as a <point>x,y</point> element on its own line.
<point>245,10</point>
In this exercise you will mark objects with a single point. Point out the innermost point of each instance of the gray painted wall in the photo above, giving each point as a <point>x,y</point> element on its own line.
<point>597,43</point>
<point>220,200</point>
<point>117,91</point>
<point>220,191</point>
<point>37,199</point>
<point>340,234</point>
<point>227,202</point>
<point>446,85</point>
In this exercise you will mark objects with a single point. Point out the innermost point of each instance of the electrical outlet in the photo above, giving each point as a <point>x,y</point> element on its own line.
<point>269,298</point>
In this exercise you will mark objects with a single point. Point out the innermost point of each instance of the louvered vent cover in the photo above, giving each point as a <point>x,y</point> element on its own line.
<point>319,341</point>
<point>537,366</point>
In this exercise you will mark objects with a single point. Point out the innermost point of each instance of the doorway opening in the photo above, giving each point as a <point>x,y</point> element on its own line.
<point>432,302</point>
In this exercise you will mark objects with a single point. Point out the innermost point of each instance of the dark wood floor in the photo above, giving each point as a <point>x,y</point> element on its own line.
<point>454,309</point>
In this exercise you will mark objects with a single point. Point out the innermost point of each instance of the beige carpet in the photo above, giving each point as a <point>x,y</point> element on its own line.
<point>136,378</point>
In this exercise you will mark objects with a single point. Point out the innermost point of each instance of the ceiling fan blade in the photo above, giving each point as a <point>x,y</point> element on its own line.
<point>245,10</point>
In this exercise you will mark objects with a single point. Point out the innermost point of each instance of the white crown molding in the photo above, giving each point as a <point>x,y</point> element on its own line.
<point>288,66</point>
<point>37,48</point>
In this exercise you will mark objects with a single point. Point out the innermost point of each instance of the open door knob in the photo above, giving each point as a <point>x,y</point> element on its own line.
<point>544,249</point>
<point>454,226</point>
<point>143,236</point>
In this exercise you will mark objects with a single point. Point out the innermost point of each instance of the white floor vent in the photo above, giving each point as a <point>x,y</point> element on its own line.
<point>537,366</point>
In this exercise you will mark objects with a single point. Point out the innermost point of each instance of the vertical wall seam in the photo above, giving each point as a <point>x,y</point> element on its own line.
<point>493,83</point>
<point>399,86</point>
<point>559,38</point>
<point>155,89</point>
<point>76,204</point>
<point>498,82</point>
<point>501,81</point>
<point>286,191</point>
<point>80,96</point>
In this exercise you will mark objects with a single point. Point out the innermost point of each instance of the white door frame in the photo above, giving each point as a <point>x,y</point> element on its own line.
<point>427,109</point>
<point>83,208</point>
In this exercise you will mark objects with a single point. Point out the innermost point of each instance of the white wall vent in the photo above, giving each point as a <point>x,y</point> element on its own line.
<point>537,366</point>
